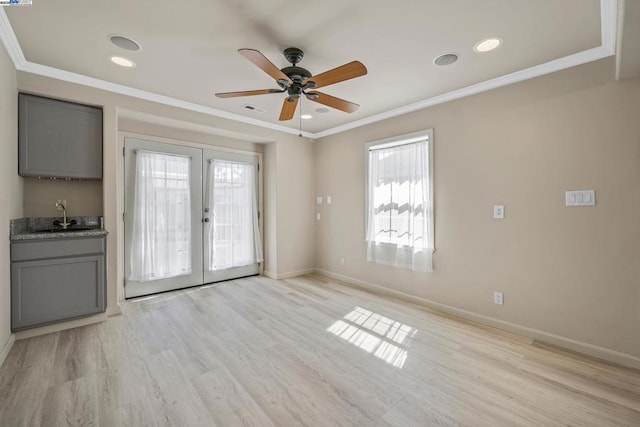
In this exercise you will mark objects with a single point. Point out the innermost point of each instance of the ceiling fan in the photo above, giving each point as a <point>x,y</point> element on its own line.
<point>297,81</point>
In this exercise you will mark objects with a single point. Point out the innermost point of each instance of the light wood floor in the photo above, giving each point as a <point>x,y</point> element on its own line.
<point>305,351</point>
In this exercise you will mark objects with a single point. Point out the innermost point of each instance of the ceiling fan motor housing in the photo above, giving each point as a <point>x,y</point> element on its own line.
<point>298,75</point>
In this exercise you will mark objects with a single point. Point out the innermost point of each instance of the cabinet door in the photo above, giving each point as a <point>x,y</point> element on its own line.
<point>47,291</point>
<point>59,139</point>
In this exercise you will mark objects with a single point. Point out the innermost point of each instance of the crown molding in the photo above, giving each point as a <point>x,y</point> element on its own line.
<point>608,30</point>
<point>608,34</point>
<point>10,41</point>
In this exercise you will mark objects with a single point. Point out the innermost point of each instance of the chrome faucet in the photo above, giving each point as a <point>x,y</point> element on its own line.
<point>64,224</point>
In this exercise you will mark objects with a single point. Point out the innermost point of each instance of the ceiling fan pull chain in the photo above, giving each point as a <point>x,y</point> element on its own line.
<point>300,117</point>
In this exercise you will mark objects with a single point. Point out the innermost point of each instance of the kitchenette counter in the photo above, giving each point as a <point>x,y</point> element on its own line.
<point>46,229</point>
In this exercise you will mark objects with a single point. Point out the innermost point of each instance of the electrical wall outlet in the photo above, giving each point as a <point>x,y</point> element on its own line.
<point>317,217</point>
<point>498,298</point>
<point>60,204</point>
<point>498,211</point>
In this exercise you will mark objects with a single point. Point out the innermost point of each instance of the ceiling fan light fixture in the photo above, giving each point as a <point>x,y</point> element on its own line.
<point>446,59</point>
<point>123,62</point>
<point>306,116</point>
<point>487,45</point>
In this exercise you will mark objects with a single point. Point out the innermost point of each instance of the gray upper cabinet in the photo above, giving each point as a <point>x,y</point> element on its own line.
<point>59,139</point>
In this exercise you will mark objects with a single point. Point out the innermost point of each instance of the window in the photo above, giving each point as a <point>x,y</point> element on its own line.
<point>400,202</point>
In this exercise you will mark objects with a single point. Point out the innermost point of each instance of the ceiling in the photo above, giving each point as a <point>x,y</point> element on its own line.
<point>189,48</point>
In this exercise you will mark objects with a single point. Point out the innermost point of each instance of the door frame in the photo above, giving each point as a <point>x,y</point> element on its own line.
<point>121,191</point>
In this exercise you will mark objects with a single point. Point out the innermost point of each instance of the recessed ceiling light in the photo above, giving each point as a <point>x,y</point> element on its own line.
<point>123,62</point>
<point>322,110</point>
<point>306,116</point>
<point>125,42</point>
<point>446,59</point>
<point>487,45</point>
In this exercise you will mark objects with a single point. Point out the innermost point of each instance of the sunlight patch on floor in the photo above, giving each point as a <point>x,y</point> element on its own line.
<point>375,334</point>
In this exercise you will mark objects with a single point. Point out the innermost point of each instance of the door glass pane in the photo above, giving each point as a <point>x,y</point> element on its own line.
<point>161,236</point>
<point>233,237</point>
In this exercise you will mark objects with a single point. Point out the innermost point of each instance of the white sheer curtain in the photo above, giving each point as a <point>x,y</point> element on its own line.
<point>161,237</point>
<point>234,235</point>
<point>400,215</point>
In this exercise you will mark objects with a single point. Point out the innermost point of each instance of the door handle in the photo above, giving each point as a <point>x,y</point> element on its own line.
<point>205,220</point>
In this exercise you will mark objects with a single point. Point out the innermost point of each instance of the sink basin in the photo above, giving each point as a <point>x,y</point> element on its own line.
<point>63,230</point>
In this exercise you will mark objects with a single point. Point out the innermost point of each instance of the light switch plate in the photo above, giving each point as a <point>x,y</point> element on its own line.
<point>580,198</point>
<point>498,211</point>
<point>328,200</point>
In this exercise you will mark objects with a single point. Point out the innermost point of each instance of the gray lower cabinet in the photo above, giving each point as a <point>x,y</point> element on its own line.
<point>61,281</point>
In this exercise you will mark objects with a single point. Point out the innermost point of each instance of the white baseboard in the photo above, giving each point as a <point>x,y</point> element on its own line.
<point>599,352</point>
<point>288,275</point>
<point>114,311</point>
<point>7,348</point>
<point>61,326</point>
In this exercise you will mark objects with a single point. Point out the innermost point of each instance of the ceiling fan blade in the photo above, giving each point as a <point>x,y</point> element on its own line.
<point>247,93</point>
<point>288,108</point>
<point>264,64</point>
<point>345,72</point>
<point>332,101</point>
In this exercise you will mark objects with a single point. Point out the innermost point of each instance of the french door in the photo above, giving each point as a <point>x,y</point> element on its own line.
<point>231,233</point>
<point>191,216</point>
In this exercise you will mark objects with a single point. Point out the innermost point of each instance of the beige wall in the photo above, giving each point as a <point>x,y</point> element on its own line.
<point>295,214</point>
<point>10,185</point>
<point>112,186</point>
<point>84,198</point>
<point>289,187</point>
<point>270,209</point>
<point>573,272</point>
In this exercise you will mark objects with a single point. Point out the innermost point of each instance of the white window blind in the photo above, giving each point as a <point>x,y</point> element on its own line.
<point>400,203</point>
<point>161,233</point>
<point>234,234</point>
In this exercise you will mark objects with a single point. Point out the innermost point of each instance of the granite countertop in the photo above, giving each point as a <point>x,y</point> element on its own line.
<point>44,228</point>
